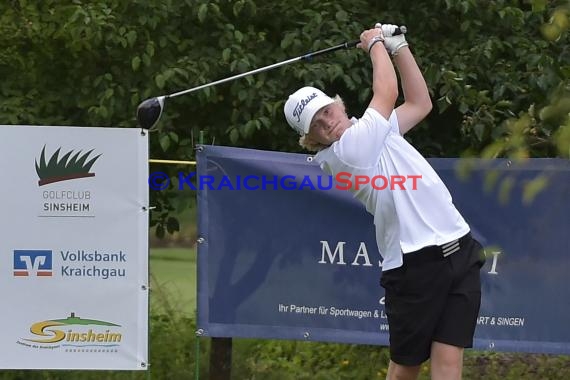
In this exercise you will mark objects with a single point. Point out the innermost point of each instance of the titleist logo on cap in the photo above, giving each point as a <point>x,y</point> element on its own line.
<point>302,104</point>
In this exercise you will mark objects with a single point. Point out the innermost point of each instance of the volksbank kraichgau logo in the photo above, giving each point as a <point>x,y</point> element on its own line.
<point>69,166</point>
<point>32,263</point>
<point>74,334</point>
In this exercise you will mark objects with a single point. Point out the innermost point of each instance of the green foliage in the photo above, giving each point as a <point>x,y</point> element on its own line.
<point>500,366</point>
<point>497,70</point>
<point>487,66</point>
<point>293,360</point>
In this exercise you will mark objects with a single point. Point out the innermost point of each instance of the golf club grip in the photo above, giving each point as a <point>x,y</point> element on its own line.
<point>399,30</point>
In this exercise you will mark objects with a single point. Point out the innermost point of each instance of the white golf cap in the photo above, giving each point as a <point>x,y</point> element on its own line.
<point>302,105</point>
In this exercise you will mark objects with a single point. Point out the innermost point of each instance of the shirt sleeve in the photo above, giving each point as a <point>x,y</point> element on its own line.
<point>360,145</point>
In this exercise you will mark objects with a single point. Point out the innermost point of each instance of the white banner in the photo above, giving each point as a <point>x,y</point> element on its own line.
<point>74,248</point>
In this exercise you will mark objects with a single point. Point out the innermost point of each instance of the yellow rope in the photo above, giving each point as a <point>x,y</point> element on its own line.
<point>173,162</point>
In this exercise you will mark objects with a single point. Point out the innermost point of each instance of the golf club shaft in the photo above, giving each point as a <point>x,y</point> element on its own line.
<point>346,45</point>
<point>150,110</point>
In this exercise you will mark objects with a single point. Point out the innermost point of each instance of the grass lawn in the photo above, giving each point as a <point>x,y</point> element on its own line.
<point>173,280</point>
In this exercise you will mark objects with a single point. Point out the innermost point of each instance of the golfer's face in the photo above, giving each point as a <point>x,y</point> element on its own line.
<point>329,123</point>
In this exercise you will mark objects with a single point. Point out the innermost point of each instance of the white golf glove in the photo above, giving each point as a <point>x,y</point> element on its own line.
<point>391,42</point>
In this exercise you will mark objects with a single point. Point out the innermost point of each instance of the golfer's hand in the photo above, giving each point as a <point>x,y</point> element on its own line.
<point>370,38</point>
<point>391,42</point>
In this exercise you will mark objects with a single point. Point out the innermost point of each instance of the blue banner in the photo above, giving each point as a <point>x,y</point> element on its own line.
<point>284,253</point>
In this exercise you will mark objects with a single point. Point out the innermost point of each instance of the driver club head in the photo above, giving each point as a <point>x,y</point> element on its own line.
<point>149,111</point>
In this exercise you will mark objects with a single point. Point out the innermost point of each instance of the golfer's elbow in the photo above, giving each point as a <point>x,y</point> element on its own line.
<point>425,106</point>
<point>387,91</point>
<point>393,93</point>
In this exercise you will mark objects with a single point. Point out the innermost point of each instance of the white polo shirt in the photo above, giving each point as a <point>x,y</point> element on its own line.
<point>405,220</point>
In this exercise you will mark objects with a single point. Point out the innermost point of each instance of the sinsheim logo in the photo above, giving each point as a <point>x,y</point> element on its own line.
<point>69,166</point>
<point>75,331</point>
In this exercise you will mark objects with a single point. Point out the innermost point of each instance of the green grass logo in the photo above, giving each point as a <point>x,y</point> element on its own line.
<point>64,168</point>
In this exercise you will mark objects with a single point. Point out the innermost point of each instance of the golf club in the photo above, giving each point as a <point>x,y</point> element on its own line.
<point>150,110</point>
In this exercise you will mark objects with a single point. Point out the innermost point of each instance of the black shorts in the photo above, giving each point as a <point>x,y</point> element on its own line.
<point>433,297</point>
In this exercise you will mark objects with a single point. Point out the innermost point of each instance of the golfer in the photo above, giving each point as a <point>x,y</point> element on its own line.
<point>430,268</point>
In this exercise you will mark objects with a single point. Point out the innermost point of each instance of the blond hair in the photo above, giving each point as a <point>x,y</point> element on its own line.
<point>307,143</point>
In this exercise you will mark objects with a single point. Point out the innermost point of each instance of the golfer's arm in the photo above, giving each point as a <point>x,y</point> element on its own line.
<point>384,81</point>
<point>417,103</point>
